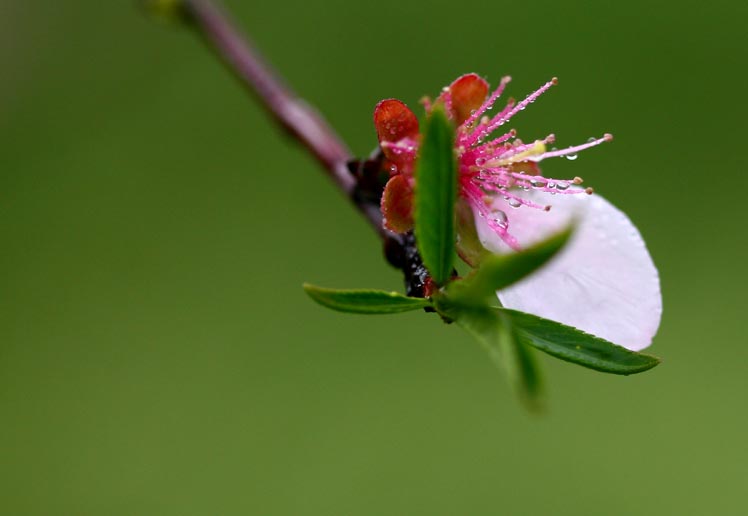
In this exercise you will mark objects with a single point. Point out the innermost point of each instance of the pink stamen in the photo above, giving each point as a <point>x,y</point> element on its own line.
<point>524,202</point>
<point>501,139</point>
<point>488,104</point>
<point>574,149</point>
<point>547,184</point>
<point>483,129</point>
<point>501,119</point>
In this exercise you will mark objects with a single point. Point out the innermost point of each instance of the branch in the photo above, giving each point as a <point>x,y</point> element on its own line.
<point>299,119</point>
<point>356,178</point>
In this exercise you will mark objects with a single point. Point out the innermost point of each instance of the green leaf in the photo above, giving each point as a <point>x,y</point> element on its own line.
<point>435,196</point>
<point>364,301</point>
<point>576,346</point>
<point>500,271</point>
<point>496,333</point>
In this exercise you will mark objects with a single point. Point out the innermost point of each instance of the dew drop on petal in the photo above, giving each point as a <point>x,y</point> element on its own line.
<point>501,219</point>
<point>514,203</point>
<point>572,157</point>
<point>562,186</point>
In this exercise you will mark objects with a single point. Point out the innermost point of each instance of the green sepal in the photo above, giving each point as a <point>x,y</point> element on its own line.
<point>364,301</point>
<point>574,345</point>
<point>435,196</point>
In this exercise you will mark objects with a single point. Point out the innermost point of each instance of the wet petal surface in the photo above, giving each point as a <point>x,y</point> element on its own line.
<point>604,282</point>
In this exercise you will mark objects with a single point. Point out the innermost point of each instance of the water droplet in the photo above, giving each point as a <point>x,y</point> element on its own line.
<point>514,203</point>
<point>537,184</point>
<point>562,186</point>
<point>572,157</point>
<point>393,169</point>
<point>501,219</point>
<point>551,185</point>
<point>591,139</point>
<point>480,161</point>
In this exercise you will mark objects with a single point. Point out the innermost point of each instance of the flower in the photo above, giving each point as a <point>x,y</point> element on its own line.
<point>604,282</point>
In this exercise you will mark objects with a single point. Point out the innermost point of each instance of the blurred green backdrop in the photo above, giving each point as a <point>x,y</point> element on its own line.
<point>157,353</point>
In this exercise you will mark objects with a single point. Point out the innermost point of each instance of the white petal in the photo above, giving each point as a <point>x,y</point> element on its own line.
<point>604,282</point>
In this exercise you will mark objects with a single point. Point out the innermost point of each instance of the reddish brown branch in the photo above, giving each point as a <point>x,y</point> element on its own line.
<point>305,124</point>
<point>297,117</point>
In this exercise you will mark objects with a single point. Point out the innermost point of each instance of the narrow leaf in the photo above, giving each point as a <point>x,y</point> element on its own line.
<point>576,346</point>
<point>364,301</point>
<point>435,196</point>
<point>500,271</point>
<point>496,333</point>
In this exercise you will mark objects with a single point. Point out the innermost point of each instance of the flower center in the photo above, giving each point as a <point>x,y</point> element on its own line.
<point>504,167</point>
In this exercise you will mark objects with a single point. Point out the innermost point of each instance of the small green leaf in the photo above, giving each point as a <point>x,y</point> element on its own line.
<point>576,346</point>
<point>435,196</point>
<point>364,301</point>
<point>496,333</point>
<point>500,271</point>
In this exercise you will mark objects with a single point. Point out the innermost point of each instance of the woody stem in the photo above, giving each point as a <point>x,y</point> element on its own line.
<point>304,124</point>
<point>298,118</point>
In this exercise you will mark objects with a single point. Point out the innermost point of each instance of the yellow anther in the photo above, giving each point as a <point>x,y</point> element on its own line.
<point>537,149</point>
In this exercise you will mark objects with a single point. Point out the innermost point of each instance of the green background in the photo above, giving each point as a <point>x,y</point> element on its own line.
<point>159,357</point>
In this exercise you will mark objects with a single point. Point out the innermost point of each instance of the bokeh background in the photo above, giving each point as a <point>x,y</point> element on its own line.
<point>157,353</point>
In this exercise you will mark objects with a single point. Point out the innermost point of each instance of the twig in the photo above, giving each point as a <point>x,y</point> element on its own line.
<point>355,178</point>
